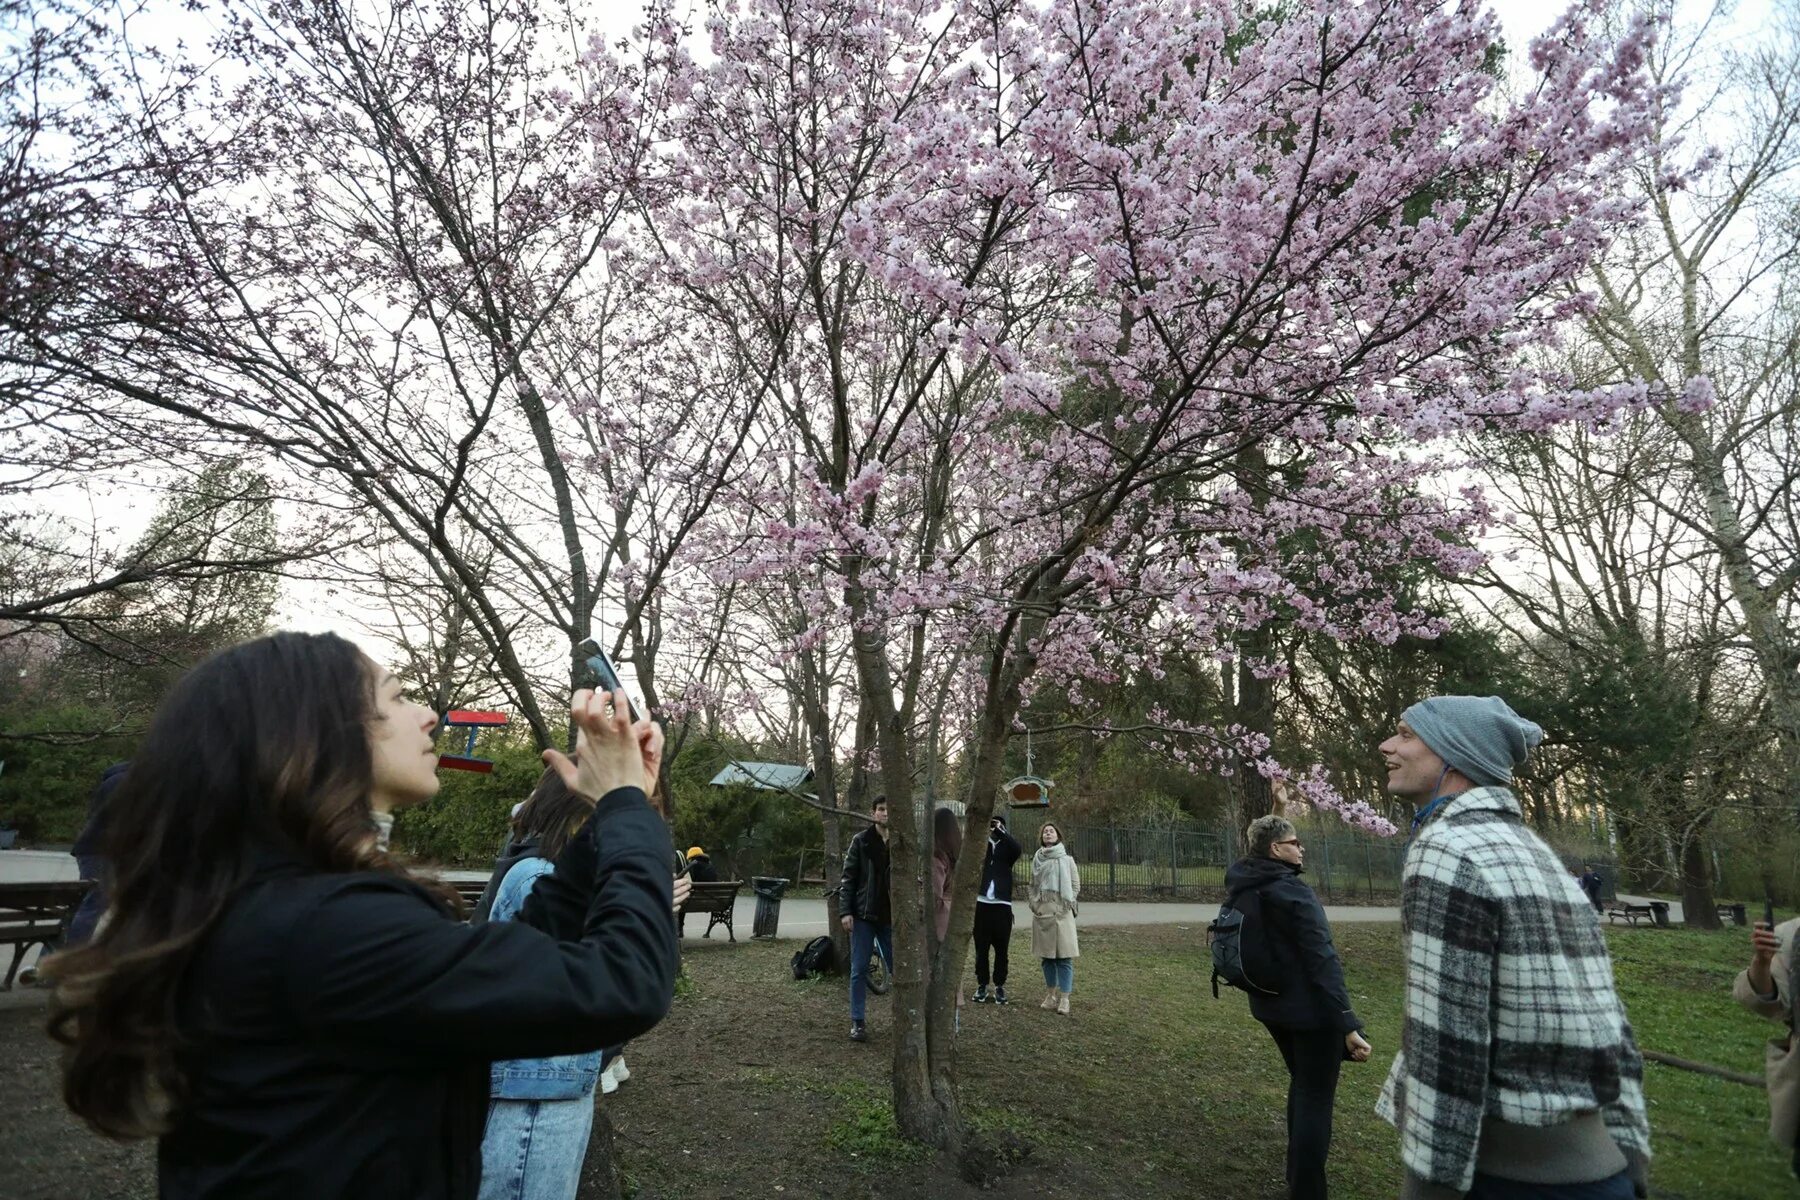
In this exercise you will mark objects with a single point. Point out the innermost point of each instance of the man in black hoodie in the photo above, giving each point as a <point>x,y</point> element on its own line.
<point>1304,1004</point>
<point>993,910</point>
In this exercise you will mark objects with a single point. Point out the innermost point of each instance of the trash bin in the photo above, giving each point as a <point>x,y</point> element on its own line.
<point>1659,913</point>
<point>1738,915</point>
<point>768,904</point>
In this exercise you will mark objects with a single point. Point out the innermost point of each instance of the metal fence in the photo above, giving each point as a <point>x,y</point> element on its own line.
<point>1120,863</point>
<point>1125,863</point>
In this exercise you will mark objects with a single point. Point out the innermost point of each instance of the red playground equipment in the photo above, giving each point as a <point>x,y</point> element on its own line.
<point>474,722</point>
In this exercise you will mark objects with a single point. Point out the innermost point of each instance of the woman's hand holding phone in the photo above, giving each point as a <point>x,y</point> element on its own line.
<point>610,750</point>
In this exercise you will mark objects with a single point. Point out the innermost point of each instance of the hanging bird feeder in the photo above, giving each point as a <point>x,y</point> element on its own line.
<point>474,722</point>
<point>1027,790</point>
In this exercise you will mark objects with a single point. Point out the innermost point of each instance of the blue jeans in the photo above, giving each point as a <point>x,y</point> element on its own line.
<point>1492,1187</point>
<point>533,1149</point>
<point>1059,973</point>
<point>864,937</point>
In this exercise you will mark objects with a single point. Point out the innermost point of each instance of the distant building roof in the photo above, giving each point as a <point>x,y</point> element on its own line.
<point>768,777</point>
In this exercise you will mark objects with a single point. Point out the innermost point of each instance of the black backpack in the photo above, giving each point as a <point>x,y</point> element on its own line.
<point>1239,953</point>
<point>818,957</point>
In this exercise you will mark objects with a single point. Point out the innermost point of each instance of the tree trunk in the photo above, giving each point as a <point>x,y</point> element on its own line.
<point>1697,904</point>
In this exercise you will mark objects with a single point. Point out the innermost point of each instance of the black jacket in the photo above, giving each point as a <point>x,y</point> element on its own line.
<point>701,870</point>
<point>91,841</point>
<point>339,1027</point>
<point>1297,939</point>
<point>1003,851</point>
<point>863,890</point>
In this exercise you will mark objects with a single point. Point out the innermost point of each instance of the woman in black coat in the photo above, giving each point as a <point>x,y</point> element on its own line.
<point>287,1010</point>
<point>1304,1004</point>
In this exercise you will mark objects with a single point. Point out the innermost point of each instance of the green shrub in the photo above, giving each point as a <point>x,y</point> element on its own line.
<point>45,785</point>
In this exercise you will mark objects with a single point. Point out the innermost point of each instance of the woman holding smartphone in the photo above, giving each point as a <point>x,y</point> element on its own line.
<point>292,1014</point>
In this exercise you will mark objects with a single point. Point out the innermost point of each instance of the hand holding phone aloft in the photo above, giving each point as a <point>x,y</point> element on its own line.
<point>611,751</point>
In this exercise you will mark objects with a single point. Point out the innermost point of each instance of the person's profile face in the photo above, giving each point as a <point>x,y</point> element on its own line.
<point>1413,767</point>
<point>402,758</point>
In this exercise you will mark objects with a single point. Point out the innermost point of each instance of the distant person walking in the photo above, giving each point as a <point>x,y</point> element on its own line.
<point>1591,885</point>
<point>993,910</point>
<point>1767,987</point>
<point>1518,1076</point>
<point>867,912</point>
<point>1306,1007</point>
<point>1055,888</point>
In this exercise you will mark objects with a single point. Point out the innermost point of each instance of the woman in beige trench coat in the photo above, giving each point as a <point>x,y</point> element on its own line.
<point>1055,886</point>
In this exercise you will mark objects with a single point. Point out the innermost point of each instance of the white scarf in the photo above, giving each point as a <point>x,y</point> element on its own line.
<point>1053,873</point>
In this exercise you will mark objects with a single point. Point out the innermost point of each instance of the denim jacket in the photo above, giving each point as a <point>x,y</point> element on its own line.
<point>565,1076</point>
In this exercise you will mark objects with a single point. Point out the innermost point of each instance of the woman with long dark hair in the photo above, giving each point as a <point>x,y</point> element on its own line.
<point>288,1011</point>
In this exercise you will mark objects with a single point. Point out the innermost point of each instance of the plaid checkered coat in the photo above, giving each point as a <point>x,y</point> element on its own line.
<point>1510,1006</point>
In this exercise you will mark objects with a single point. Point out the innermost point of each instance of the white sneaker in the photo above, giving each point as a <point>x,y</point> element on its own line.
<point>608,1085</point>
<point>620,1071</point>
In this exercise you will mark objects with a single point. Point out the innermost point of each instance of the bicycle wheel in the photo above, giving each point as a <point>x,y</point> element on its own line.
<point>878,979</point>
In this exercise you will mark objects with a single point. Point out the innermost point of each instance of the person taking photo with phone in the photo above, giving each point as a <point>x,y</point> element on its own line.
<point>287,1010</point>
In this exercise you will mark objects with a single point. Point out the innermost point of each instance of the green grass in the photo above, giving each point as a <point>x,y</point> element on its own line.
<point>1152,1089</point>
<point>1154,1041</point>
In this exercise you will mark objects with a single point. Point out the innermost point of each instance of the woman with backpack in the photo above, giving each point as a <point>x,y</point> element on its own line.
<point>1055,887</point>
<point>288,1010</point>
<point>1297,990</point>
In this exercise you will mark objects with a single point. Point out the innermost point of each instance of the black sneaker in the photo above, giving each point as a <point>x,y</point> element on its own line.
<point>981,995</point>
<point>859,1032</point>
<point>999,995</point>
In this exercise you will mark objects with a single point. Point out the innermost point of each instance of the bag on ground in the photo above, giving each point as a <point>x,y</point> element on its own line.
<point>1239,953</point>
<point>817,957</point>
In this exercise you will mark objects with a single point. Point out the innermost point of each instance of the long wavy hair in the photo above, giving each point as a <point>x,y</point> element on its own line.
<point>553,814</point>
<point>262,748</point>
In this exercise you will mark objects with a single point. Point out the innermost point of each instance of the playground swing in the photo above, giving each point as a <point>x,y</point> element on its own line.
<point>474,722</point>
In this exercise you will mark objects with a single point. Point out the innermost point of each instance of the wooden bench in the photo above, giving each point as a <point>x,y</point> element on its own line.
<point>1631,912</point>
<point>36,914</point>
<point>470,890</point>
<point>716,900</point>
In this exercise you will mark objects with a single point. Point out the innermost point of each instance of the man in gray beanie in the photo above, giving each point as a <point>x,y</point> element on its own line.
<point>1518,1075</point>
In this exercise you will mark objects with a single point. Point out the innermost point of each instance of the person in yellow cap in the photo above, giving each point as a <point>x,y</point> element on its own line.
<point>700,868</point>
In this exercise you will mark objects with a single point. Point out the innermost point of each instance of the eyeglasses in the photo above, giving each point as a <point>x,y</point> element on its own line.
<point>1289,842</point>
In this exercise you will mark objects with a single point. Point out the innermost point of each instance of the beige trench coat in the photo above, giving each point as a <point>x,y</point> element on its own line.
<point>1055,885</point>
<point>1781,1058</point>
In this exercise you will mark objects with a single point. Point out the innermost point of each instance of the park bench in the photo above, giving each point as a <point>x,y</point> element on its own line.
<point>1735,913</point>
<point>36,914</point>
<point>1631,912</point>
<point>470,890</point>
<point>716,900</point>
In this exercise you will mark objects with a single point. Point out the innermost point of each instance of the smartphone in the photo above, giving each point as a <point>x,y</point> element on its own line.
<point>1769,913</point>
<point>597,672</point>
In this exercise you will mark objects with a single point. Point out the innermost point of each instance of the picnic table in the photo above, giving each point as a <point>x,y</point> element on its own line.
<point>36,914</point>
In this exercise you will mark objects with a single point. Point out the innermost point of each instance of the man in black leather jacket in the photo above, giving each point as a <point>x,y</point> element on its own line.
<point>867,914</point>
<point>1307,1010</point>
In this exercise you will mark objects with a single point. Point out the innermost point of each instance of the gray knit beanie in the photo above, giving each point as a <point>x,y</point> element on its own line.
<point>1478,736</point>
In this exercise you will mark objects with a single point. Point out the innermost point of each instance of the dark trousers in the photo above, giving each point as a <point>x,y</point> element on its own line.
<point>1313,1057</point>
<point>993,931</point>
<point>1492,1187</point>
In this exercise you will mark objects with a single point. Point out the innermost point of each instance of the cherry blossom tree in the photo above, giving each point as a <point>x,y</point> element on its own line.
<point>387,246</point>
<point>1090,330</point>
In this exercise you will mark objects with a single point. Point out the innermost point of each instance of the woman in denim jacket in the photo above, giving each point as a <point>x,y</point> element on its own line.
<point>541,1110</point>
